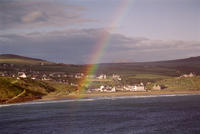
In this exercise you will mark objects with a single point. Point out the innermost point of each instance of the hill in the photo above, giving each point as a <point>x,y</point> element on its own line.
<point>169,68</point>
<point>180,83</point>
<point>12,89</point>
<point>137,71</point>
<point>63,81</point>
<point>16,62</point>
<point>16,59</point>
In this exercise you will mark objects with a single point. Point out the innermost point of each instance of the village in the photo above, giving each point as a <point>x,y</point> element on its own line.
<point>63,77</point>
<point>134,88</point>
<point>73,79</point>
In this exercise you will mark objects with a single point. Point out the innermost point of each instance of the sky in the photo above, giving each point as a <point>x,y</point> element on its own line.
<point>76,31</point>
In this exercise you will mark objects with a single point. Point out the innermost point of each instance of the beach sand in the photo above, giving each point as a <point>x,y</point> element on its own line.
<point>114,94</point>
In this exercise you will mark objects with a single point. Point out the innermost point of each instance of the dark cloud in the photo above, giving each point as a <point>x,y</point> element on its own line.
<point>16,14</point>
<point>77,46</point>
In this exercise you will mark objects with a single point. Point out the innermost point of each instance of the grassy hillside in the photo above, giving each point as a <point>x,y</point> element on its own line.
<point>11,87</point>
<point>162,68</point>
<point>26,63</point>
<point>178,83</point>
<point>166,68</point>
<point>31,89</point>
<point>16,59</point>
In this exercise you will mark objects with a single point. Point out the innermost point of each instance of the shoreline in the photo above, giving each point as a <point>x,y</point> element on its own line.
<point>97,95</point>
<point>118,94</point>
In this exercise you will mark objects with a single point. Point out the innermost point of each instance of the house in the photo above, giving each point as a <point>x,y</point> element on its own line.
<point>22,75</point>
<point>33,78</point>
<point>188,75</point>
<point>100,89</point>
<point>191,75</point>
<point>113,89</point>
<point>2,74</point>
<point>45,77</point>
<point>90,76</point>
<point>105,89</point>
<point>156,87</point>
<point>139,88</point>
<point>117,77</point>
<point>128,88</point>
<point>79,75</point>
<point>102,76</point>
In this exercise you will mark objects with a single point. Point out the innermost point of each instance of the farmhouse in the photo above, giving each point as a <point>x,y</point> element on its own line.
<point>188,75</point>
<point>156,87</point>
<point>117,77</point>
<point>139,87</point>
<point>22,75</point>
<point>102,76</point>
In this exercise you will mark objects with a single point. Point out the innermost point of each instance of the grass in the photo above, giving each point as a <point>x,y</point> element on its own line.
<point>11,87</point>
<point>177,83</point>
<point>8,89</point>
<point>149,76</point>
<point>61,88</point>
<point>22,61</point>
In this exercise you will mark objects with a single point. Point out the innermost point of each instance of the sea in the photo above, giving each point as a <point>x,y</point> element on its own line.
<point>164,114</point>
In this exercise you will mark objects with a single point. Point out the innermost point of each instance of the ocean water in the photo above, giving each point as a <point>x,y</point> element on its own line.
<point>122,115</point>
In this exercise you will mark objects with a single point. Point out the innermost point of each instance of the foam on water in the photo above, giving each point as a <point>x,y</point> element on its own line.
<point>92,99</point>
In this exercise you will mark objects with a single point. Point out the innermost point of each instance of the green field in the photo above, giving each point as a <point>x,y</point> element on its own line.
<point>11,87</point>
<point>149,76</point>
<point>22,61</point>
<point>192,83</point>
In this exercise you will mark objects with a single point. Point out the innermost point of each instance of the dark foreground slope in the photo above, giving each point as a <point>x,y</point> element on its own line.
<point>14,90</point>
<point>16,59</point>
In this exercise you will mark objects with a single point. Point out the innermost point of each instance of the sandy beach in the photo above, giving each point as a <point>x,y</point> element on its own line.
<point>115,94</point>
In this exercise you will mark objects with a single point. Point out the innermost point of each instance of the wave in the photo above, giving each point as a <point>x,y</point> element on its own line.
<point>92,99</point>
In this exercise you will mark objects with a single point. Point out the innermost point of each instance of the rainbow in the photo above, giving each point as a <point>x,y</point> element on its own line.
<point>102,44</point>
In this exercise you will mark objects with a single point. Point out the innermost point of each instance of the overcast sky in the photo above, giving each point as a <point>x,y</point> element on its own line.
<point>69,30</point>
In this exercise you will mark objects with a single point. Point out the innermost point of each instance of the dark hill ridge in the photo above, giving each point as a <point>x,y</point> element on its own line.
<point>170,67</point>
<point>26,64</point>
<point>13,56</point>
<point>186,60</point>
<point>17,59</point>
<point>187,63</point>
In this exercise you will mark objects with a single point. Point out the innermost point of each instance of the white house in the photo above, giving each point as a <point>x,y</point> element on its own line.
<point>22,75</point>
<point>106,89</point>
<point>102,76</point>
<point>129,88</point>
<point>156,87</point>
<point>113,89</point>
<point>139,88</point>
<point>117,77</point>
<point>100,89</point>
<point>33,78</point>
<point>135,88</point>
<point>188,75</point>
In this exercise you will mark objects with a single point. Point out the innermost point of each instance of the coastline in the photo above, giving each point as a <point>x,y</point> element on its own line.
<point>75,96</point>
<point>118,94</point>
